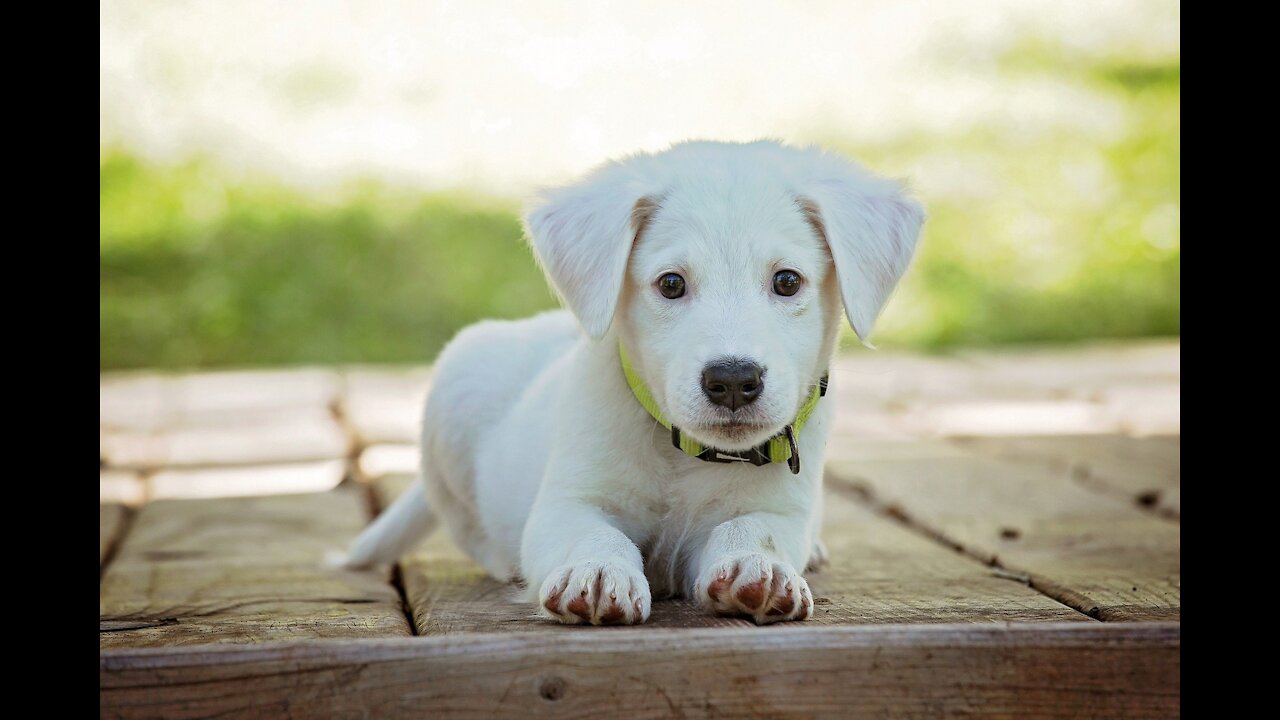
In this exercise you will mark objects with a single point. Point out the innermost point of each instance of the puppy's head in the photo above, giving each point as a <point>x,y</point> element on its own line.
<point>722,267</point>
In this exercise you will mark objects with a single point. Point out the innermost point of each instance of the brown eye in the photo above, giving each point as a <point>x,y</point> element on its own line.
<point>671,286</point>
<point>786,282</point>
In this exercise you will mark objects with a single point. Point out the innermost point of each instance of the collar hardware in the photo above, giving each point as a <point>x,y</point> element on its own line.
<point>793,462</point>
<point>782,447</point>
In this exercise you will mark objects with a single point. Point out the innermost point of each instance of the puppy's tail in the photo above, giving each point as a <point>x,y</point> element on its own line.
<point>395,532</point>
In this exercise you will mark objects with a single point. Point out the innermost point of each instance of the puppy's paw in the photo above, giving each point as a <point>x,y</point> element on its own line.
<point>757,587</point>
<point>599,593</point>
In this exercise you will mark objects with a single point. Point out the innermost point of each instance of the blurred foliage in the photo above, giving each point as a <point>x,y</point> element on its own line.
<point>1050,235</point>
<point>195,272</point>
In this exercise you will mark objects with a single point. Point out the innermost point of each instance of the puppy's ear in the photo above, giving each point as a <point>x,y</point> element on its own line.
<point>583,234</point>
<point>871,227</point>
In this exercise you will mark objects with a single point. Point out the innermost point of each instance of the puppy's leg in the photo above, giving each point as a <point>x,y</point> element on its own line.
<point>819,558</point>
<point>584,569</point>
<point>748,568</point>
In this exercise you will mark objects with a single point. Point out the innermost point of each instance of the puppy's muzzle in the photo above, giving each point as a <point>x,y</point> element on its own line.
<point>732,383</point>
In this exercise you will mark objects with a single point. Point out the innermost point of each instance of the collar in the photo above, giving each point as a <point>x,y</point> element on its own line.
<point>779,448</point>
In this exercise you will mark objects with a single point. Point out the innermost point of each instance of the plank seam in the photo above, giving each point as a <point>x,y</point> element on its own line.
<point>113,547</point>
<point>397,575</point>
<point>355,444</point>
<point>1148,502</point>
<point>1082,474</point>
<point>860,491</point>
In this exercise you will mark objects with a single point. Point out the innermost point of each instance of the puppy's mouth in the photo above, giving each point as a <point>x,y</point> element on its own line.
<point>737,426</point>
<point>733,434</point>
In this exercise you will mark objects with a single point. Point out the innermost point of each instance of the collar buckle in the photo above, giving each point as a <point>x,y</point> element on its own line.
<point>757,456</point>
<point>753,456</point>
<point>793,462</point>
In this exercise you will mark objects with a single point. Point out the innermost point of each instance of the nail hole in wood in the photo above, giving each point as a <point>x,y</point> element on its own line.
<point>551,689</point>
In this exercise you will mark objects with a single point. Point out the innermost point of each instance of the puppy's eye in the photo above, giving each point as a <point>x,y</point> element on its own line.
<point>786,282</point>
<point>671,286</point>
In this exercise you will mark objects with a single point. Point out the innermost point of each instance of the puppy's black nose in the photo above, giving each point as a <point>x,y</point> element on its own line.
<point>732,384</point>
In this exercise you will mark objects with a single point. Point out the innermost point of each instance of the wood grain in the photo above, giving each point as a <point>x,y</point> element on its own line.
<point>1096,553</point>
<point>880,572</point>
<point>1145,471</point>
<point>1055,670</point>
<point>449,594</point>
<point>239,570</point>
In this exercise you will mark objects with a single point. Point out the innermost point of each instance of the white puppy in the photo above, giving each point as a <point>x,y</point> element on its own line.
<point>717,270</point>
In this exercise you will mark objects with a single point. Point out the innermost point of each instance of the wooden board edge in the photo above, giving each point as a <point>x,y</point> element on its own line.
<point>1115,670</point>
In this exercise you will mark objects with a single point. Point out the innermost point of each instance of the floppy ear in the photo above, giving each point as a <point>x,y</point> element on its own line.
<point>582,235</point>
<point>871,227</point>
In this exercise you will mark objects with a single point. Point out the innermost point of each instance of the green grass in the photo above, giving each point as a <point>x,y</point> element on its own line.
<point>1065,236</point>
<point>197,274</point>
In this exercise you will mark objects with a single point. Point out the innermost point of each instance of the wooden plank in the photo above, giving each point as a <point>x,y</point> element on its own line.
<point>1145,471</point>
<point>228,397</point>
<point>243,570</point>
<point>252,480</point>
<point>1081,371</point>
<point>1126,387</point>
<point>1095,553</point>
<point>877,392</point>
<point>111,517</point>
<point>135,401</point>
<point>1066,670</point>
<point>379,461</point>
<point>991,416</point>
<point>299,437</point>
<point>1145,408</point>
<point>384,405</point>
<point>291,435</point>
<point>148,401</point>
<point>1105,388</point>
<point>121,486</point>
<point>880,572</point>
<point>860,447</point>
<point>130,449</point>
<point>449,594</point>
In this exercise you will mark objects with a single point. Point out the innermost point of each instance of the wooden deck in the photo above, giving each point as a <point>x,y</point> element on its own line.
<point>1003,530</point>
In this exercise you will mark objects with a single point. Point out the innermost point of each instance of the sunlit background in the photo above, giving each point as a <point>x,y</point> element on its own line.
<point>329,182</point>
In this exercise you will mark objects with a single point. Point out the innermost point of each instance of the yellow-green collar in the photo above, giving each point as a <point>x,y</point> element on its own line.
<point>779,448</point>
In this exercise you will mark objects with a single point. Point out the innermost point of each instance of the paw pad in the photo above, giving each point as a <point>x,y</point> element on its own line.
<point>596,594</point>
<point>757,588</point>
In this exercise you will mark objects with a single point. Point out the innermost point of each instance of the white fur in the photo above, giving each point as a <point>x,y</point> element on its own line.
<point>542,463</point>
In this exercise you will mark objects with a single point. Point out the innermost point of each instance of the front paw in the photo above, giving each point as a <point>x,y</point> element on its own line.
<point>599,593</point>
<point>757,587</point>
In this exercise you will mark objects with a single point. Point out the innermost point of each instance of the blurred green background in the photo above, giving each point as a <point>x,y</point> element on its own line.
<point>1048,231</point>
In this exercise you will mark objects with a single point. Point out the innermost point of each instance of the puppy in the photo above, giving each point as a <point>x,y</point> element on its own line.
<point>665,435</point>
